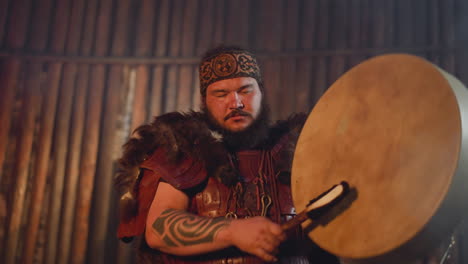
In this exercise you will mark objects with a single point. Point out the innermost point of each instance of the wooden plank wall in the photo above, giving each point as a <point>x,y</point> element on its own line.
<point>77,76</point>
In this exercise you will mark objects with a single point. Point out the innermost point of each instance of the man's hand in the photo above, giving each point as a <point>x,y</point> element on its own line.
<point>258,236</point>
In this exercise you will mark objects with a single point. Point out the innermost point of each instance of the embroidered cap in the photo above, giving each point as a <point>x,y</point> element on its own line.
<point>227,64</point>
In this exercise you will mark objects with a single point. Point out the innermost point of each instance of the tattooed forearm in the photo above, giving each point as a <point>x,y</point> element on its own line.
<point>179,228</point>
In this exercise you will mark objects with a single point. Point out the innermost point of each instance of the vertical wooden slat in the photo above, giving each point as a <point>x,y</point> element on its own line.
<point>448,23</point>
<point>321,65</point>
<point>273,28</point>
<point>219,22</point>
<point>140,104</point>
<point>29,111</point>
<point>60,152</point>
<point>244,29</point>
<point>287,88</point>
<point>421,30</point>
<point>419,12</point>
<point>434,38</point>
<point>308,29</point>
<point>75,26</point>
<point>272,19</point>
<point>156,91</point>
<point>290,36</point>
<point>4,6</point>
<point>355,30</point>
<point>121,28</point>
<point>378,25</point>
<point>448,35</point>
<point>76,139</point>
<point>324,21</point>
<point>206,27</point>
<point>42,236</point>
<point>40,25</point>
<point>184,98</point>
<point>237,22</point>
<point>88,164</point>
<point>382,27</point>
<point>172,84</point>
<point>404,23</point>
<point>196,97</point>
<point>156,106</point>
<point>18,23</point>
<point>189,28</point>
<point>380,22</point>
<point>103,28</point>
<point>339,39</point>
<point>255,17</point>
<point>43,158</point>
<point>171,88</point>
<point>162,28</point>
<point>76,135</point>
<point>271,80</point>
<point>390,25</point>
<point>60,26</point>
<point>176,27</point>
<point>366,23</point>
<point>303,76</point>
<point>145,29</point>
<point>10,70</point>
<point>204,42</point>
<point>104,168</point>
<point>289,84</point>
<point>89,27</point>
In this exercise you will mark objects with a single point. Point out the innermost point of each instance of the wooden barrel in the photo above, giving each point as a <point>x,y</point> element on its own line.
<point>395,128</point>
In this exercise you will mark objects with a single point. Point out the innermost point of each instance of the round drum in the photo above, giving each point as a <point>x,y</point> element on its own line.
<point>395,128</point>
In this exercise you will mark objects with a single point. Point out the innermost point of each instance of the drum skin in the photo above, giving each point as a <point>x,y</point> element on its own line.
<point>393,127</point>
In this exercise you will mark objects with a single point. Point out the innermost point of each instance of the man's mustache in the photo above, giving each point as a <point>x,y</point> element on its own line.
<point>236,112</point>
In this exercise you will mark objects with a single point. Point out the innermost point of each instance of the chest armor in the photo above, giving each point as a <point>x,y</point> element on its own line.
<point>258,193</point>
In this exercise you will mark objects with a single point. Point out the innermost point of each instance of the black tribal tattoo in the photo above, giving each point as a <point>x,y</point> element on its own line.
<point>179,228</point>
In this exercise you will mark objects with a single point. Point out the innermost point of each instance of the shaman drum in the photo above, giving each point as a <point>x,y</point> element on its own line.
<point>395,128</point>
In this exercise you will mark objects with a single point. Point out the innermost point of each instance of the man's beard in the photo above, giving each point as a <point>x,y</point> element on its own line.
<point>252,137</point>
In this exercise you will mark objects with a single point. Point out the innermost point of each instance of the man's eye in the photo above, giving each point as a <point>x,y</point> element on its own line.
<point>220,94</point>
<point>245,91</point>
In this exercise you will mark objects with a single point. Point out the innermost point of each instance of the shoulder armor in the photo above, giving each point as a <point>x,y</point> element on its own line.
<point>183,174</point>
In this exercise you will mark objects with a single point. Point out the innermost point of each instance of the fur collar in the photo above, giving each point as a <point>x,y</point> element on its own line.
<point>183,134</point>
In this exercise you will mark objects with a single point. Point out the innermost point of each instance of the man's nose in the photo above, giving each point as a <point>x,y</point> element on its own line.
<point>236,101</point>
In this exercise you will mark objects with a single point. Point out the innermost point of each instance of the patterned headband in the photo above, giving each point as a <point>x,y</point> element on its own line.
<point>227,65</point>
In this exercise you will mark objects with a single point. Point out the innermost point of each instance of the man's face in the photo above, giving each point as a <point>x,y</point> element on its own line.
<point>234,103</point>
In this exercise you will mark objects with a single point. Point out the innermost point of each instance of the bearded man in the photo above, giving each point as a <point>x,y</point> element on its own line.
<point>214,186</point>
